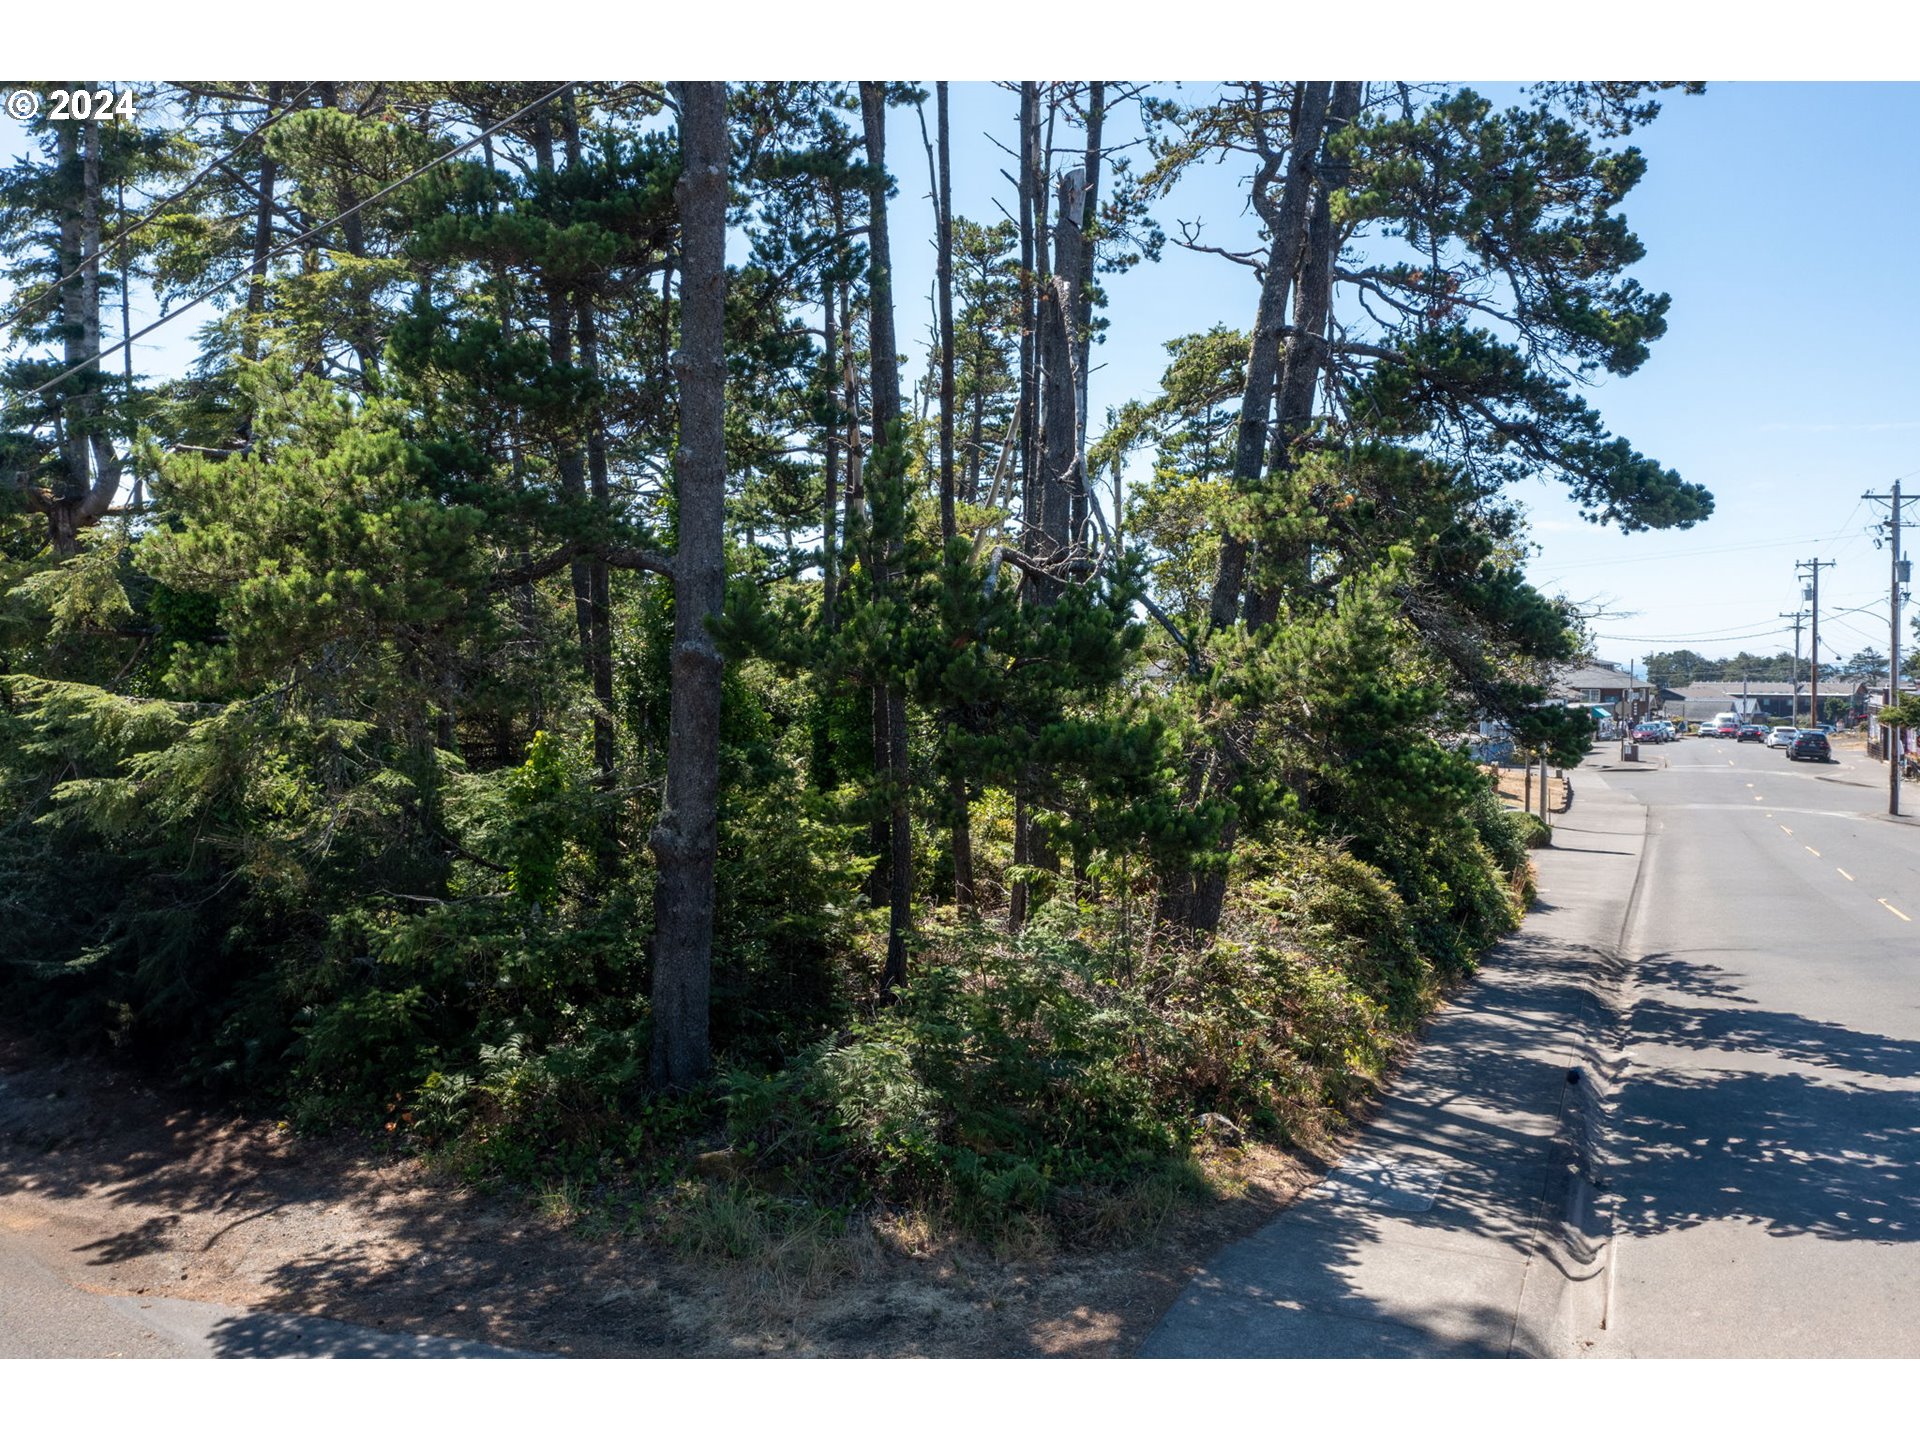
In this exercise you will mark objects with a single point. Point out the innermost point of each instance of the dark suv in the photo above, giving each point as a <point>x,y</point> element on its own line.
<point>1809,745</point>
<point>1753,732</point>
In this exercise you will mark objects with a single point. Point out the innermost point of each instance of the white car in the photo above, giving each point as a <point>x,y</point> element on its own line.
<point>1780,737</point>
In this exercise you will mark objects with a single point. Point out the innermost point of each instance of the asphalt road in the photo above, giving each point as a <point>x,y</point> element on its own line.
<point>1676,1115</point>
<point>1763,1146</point>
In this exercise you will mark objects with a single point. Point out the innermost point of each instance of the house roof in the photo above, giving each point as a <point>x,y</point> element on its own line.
<point>1573,682</point>
<point>1593,677</point>
<point>1734,689</point>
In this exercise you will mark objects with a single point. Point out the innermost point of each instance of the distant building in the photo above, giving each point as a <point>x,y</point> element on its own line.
<point>1776,700</point>
<point>1605,688</point>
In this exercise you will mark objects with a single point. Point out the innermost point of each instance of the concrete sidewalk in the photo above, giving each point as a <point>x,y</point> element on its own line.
<point>1463,1222</point>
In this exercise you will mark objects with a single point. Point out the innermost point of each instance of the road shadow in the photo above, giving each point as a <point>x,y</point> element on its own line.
<point>1806,1127</point>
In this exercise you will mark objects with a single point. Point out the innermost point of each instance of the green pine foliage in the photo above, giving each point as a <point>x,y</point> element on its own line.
<point>327,779</point>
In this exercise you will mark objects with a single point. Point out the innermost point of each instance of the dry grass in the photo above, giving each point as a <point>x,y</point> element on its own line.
<point>1514,788</point>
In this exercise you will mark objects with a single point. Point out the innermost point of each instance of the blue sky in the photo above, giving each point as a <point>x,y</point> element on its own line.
<point>1781,218</point>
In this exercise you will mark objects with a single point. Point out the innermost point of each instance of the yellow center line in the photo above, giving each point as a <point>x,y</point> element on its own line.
<point>1785,828</point>
<point>1811,851</point>
<point>1843,872</point>
<point>1902,916</point>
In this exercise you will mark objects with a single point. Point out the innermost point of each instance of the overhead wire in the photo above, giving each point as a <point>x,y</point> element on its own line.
<point>1713,636</point>
<point>300,240</point>
<point>1724,549</point>
<point>154,213</point>
<point>1668,639</point>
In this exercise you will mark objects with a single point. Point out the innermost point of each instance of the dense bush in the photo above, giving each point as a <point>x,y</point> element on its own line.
<point>1029,1075</point>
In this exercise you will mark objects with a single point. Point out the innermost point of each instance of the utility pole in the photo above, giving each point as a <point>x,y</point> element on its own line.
<point>1799,618</point>
<point>1891,736</point>
<point>1813,568</point>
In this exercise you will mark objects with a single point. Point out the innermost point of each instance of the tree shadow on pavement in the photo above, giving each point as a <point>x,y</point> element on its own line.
<point>1803,1126</point>
<point>1366,1265</point>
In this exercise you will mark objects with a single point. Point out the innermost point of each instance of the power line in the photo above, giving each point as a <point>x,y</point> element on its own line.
<point>1668,639</point>
<point>1837,535</point>
<point>299,240</point>
<point>1855,629</point>
<point>1716,549</point>
<point>93,261</point>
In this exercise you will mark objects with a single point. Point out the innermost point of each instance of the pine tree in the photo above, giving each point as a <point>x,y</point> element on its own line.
<point>684,836</point>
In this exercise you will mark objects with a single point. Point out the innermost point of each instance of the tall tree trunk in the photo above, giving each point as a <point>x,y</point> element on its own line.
<point>1287,221</point>
<point>262,241</point>
<point>120,222</point>
<point>1083,302</point>
<point>91,478</point>
<point>890,710</point>
<point>976,440</point>
<point>262,249</point>
<point>1020,891</point>
<point>1306,352</point>
<point>573,480</point>
<point>1032,250</point>
<point>1029,392</point>
<point>948,526</point>
<point>830,505</point>
<point>1059,395</point>
<point>1061,492</point>
<point>599,585</point>
<point>1066,310</point>
<point>1194,899</point>
<point>856,489</point>
<point>961,816</point>
<point>685,837</point>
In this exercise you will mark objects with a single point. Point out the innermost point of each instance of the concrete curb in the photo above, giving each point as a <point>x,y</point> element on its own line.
<point>1581,1206</point>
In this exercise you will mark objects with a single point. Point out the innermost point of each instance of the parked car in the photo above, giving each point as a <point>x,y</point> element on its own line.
<point>1726,725</point>
<point>1780,737</point>
<point>1752,732</point>
<point>1647,734</point>
<point>1809,745</point>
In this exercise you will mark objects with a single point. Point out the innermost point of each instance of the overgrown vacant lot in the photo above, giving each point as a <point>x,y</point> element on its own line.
<point>805,817</point>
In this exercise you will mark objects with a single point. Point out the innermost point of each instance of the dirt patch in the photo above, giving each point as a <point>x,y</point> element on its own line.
<point>124,1189</point>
